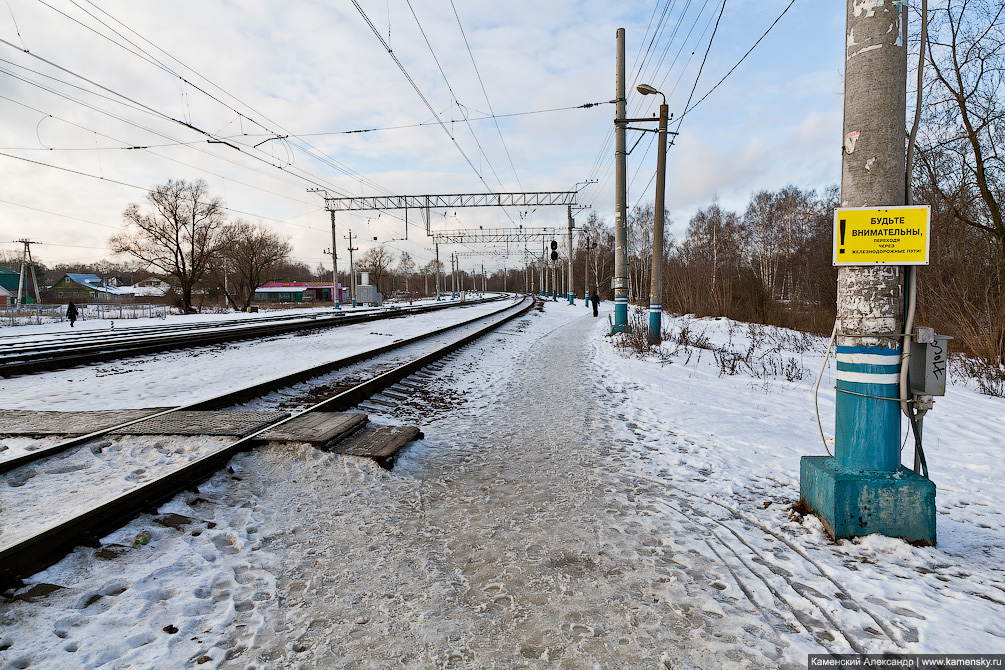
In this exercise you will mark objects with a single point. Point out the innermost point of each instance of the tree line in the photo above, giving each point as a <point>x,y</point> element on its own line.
<point>182,233</point>
<point>771,263</point>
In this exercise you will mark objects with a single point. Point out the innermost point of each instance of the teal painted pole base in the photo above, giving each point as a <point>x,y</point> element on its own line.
<point>655,322</point>
<point>620,315</point>
<point>852,503</point>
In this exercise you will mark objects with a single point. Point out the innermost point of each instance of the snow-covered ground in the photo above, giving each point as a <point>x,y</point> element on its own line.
<point>570,507</point>
<point>178,378</point>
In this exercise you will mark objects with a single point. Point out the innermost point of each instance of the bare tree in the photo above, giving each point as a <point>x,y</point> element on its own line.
<point>179,236</point>
<point>962,140</point>
<point>406,267</point>
<point>249,254</point>
<point>640,252</point>
<point>377,261</point>
<point>600,237</point>
<point>714,251</point>
<point>764,238</point>
<point>429,272</point>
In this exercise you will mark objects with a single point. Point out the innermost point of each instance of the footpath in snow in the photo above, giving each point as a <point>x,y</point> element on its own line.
<point>570,507</point>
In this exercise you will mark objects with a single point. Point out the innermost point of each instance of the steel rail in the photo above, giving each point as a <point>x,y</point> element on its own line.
<point>55,357</point>
<point>51,544</point>
<point>239,395</point>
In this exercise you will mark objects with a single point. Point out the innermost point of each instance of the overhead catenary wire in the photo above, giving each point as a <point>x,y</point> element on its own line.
<point>418,91</point>
<point>688,109</point>
<point>135,104</point>
<point>163,116</point>
<point>122,183</point>
<point>138,51</point>
<point>453,95</point>
<point>481,83</point>
<point>306,147</point>
<point>127,147</point>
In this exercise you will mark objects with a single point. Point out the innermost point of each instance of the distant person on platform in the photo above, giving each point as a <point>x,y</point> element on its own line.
<point>595,299</point>
<point>71,313</point>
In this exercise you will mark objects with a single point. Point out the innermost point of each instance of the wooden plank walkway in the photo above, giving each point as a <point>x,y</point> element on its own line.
<point>382,444</point>
<point>321,429</point>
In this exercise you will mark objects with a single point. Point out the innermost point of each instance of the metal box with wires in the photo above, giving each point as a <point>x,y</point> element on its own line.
<point>929,365</point>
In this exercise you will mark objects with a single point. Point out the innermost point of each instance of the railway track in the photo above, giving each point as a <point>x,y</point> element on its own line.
<point>20,356</point>
<point>26,555</point>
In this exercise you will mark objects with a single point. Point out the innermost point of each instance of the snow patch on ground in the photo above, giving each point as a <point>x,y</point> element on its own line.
<point>573,508</point>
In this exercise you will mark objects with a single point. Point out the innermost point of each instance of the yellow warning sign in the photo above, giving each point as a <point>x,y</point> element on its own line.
<point>882,236</point>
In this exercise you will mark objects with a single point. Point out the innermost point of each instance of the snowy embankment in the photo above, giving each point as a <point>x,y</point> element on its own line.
<point>732,428</point>
<point>571,506</point>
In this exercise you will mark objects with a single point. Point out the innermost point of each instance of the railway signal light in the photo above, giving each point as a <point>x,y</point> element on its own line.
<point>554,250</point>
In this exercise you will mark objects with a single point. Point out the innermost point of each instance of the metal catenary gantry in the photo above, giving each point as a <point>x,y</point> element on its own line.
<point>425,203</point>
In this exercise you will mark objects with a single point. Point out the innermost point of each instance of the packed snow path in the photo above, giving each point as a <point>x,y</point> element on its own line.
<point>567,509</point>
<point>518,543</point>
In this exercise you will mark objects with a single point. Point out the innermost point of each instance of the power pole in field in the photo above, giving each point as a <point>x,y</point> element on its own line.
<point>27,265</point>
<point>863,488</point>
<point>620,197</point>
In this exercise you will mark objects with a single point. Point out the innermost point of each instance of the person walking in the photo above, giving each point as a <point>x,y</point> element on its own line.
<point>595,299</point>
<point>71,313</point>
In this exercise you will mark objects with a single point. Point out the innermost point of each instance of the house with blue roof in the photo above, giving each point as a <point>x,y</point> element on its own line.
<point>85,288</point>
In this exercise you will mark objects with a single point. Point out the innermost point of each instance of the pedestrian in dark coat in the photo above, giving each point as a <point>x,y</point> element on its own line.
<point>71,313</point>
<point>595,299</point>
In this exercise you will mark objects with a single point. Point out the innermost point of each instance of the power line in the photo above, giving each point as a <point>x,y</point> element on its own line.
<point>485,93</point>
<point>122,183</point>
<point>72,218</point>
<point>150,110</point>
<point>722,8</point>
<point>688,109</point>
<point>415,86</point>
<point>129,147</point>
<point>651,138</point>
<point>451,89</point>
<point>680,120</point>
<point>305,147</point>
<point>485,117</point>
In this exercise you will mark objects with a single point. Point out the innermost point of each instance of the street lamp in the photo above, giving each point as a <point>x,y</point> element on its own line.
<point>656,290</point>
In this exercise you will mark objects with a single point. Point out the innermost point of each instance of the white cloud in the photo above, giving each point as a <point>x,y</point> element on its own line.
<point>312,67</point>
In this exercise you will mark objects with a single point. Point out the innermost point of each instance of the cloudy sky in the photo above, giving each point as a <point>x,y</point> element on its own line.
<point>102,99</point>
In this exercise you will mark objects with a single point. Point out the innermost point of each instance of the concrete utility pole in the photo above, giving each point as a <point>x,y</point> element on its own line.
<point>352,271</point>
<point>656,292</point>
<point>571,290</point>
<point>437,244</point>
<point>620,197</point>
<point>864,489</point>
<point>656,286</point>
<point>544,288</point>
<point>335,295</point>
